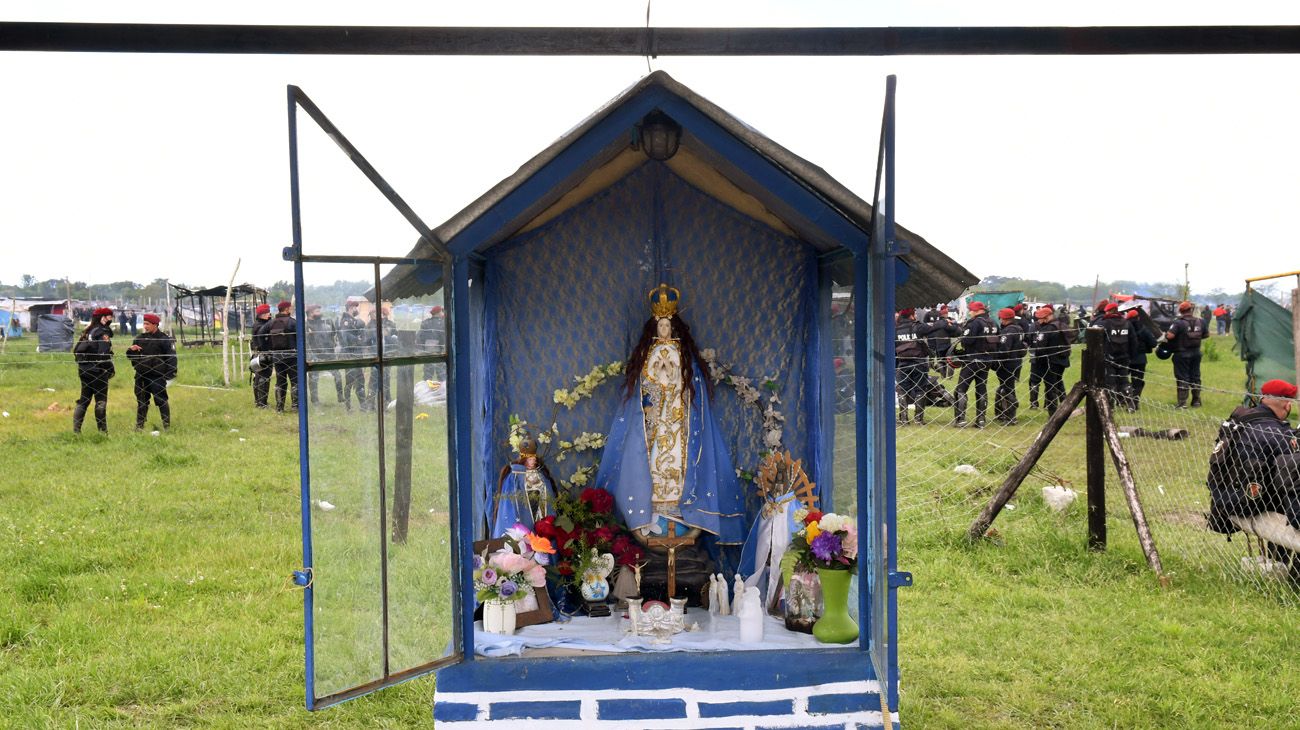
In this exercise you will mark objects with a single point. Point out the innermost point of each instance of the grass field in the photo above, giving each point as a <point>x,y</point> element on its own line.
<point>144,580</point>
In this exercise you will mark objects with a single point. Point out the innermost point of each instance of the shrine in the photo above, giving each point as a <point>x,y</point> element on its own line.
<point>669,398</point>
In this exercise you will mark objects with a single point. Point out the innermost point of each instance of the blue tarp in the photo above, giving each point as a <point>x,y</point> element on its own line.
<point>9,324</point>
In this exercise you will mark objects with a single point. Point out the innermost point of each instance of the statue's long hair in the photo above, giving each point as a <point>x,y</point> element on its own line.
<point>690,356</point>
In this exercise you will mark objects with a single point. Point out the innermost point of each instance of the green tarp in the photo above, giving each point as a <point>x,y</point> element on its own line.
<point>1264,340</point>
<point>996,300</point>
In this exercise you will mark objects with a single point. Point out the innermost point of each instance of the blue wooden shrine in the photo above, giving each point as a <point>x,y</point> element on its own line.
<point>784,273</point>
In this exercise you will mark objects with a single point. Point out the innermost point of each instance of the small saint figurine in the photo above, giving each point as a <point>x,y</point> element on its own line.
<point>665,460</point>
<point>525,492</point>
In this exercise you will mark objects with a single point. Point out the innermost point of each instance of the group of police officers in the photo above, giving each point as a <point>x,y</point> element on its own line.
<point>152,355</point>
<point>981,346</point>
<point>274,344</point>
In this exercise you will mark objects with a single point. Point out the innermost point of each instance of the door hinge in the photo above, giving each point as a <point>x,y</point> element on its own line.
<point>900,579</point>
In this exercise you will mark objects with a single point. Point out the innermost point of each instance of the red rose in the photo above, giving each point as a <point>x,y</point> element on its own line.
<point>546,527</point>
<point>620,545</point>
<point>813,516</point>
<point>631,557</point>
<point>600,501</point>
<point>601,535</point>
<point>565,568</point>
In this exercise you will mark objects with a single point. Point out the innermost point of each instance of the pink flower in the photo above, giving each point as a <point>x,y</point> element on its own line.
<point>849,544</point>
<point>536,576</point>
<point>508,562</point>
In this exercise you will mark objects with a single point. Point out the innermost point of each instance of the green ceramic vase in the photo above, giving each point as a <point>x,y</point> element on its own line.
<point>835,626</point>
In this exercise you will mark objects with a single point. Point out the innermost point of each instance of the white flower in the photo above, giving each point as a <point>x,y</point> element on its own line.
<point>800,515</point>
<point>709,354</point>
<point>833,523</point>
<point>773,438</point>
<point>544,437</point>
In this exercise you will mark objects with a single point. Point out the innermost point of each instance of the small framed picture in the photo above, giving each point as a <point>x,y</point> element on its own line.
<point>529,611</point>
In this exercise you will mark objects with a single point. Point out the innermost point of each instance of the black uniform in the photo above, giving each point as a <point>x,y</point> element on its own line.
<point>353,337</point>
<point>261,345</point>
<point>940,339</point>
<point>1141,343</point>
<point>322,338</point>
<point>1118,333</point>
<point>155,364</point>
<point>1011,357</point>
<point>430,340</point>
<point>979,348</point>
<point>1050,345</point>
<point>94,356</point>
<point>392,348</point>
<point>912,363</point>
<point>1187,331</point>
<point>282,336</point>
<point>1243,479</point>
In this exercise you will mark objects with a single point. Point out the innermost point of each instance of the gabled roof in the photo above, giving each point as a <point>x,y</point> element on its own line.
<point>719,154</point>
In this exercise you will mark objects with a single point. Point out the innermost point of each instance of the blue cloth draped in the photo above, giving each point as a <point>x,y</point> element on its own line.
<point>711,497</point>
<point>512,506</point>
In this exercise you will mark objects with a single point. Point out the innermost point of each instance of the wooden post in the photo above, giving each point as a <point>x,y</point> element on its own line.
<point>1027,462</point>
<point>1295,328</point>
<point>225,327</point>
<point>1126,481</point>
<point>1094,374</point>
<point>404,414</point>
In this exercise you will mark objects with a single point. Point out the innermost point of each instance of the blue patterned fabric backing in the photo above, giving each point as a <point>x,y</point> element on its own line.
<point>572,294</point>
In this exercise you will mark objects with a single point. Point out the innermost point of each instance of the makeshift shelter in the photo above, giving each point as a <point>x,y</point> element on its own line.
<point>1264,339</point>
<point>55,334</point>
<point>547,276</point>
<point>29,310</point>
<point>9,324</point>
<point>197,317</point>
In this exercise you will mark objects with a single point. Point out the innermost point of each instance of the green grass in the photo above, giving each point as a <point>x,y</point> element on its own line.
<point>144,581</point>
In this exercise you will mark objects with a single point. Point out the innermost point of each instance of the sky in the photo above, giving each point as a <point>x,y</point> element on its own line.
<point>118,166</point>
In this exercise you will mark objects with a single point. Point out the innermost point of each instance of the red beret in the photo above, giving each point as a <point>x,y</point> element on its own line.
<point>838,362</point>
<point>436,309</point>
<point>1278,389</point>
<point>906,312</point>
<point>1112,307</point>
<point>1044,311</point>
<point>284,305</point>
<point>943,307</point>
<point>263,309</point>
<point>1006,313</point>
<point>152,318</point>
<point>1132,314</point>
<point>1020,307</point>
<point>1102,304</point>
<point>1186,307</point>
<point>103,311</point>
<point>977,307</point>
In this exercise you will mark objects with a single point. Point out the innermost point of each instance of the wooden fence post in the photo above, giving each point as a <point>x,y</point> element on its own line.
<point>1094,374</point>
<point>404,416</point>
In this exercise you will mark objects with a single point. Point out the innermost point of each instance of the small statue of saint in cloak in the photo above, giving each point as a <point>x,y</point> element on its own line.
<point>525,492</point>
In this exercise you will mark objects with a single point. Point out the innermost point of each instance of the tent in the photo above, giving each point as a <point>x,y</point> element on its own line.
<point>547,276</point>
<point>995,300</point>
<point>1264,339</point>
<point>9,324</point>
<point>55,333</point>
<point>196,313</point>
<point>30,310</point>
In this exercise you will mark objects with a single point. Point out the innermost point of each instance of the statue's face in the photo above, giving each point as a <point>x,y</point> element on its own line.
<point>665,328</point>
<point>530,462</point>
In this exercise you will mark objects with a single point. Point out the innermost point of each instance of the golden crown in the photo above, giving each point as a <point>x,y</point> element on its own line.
<point>664,300</point>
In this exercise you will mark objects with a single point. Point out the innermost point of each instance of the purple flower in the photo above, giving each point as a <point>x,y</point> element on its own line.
<point>507,588</point>
<point>489,576</point>
<point>825,546</point>
<point>478,562</point>
<point>542,558</point>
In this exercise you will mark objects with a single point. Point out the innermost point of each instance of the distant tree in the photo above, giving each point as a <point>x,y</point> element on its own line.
<point>28,281</point>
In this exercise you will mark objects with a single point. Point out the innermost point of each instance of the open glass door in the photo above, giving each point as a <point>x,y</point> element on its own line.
<point>377,477</point>
<point>882,276</point>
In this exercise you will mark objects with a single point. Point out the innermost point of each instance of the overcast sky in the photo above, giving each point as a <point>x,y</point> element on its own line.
<point>173,166</point>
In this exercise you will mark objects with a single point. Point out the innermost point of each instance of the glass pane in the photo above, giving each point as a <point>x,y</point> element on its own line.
<point>419,542</point>
<point>342,212</point>
<point>336,313</point>
<point>346,532</point>
<point>843,497</point>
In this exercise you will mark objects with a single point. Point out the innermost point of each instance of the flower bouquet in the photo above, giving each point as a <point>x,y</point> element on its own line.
<point>504,580</point>
<point>584,529</point>
<point>827,543</point>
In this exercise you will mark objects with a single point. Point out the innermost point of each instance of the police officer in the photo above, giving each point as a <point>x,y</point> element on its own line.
<point>1010,358</point>
<point>978,343</point>
<point>1050,345</point>
<point>353,337</point>
<point>260,344</point>
<point>940,338</point>
<point>153,355</point>
<point>392,347</point>
<point>1244,479</point>
<point>94,355</point>
<point>1116,349</point>
<point>429,341</point>
<point>912,361</point>
<point>1141,342</point>
<point>282,336</point>
<point>1184,337</point>
<point>322,338</point>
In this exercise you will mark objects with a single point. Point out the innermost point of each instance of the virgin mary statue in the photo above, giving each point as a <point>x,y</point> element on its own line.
<point>665,461</point>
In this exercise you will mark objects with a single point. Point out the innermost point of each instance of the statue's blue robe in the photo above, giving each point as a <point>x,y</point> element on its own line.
<point>512,502</point>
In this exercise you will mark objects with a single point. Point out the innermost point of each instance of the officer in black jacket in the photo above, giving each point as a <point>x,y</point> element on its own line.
<point>1118,333</point>
<point>322,339</point>
<point>153,355</point>
<point>430,341</point>
<point>940,338</point>
<point>978,343</point>
<point>1050,345</point>
<point>1141,343</point>
<point>282,336</point>
<point>94,355</point>
<point>912,361</point>
<point>1010,358</point>
<point>1244,479</point>
<point>261,347</point>
<point>353,336</point>
<point>1184,337</point>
